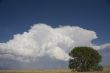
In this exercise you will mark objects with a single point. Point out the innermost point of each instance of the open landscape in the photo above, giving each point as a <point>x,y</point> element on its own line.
<point>106,70</point>
<point>54,36</point>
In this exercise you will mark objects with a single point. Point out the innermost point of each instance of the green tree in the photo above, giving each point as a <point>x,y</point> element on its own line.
<point>85,59</point>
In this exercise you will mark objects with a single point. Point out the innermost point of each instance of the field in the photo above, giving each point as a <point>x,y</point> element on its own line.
<point>106,70</point>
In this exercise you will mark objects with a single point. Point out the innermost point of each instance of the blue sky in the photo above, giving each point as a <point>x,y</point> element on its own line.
<point>16,16</point>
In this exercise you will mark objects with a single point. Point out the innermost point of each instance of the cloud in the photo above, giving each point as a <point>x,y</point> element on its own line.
<point>105,52</point>
<point>43,40</point>
<point>43,46</point>
<point>105,46</point>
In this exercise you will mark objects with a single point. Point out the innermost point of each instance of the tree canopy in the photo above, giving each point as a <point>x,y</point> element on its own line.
<point>84,59</point>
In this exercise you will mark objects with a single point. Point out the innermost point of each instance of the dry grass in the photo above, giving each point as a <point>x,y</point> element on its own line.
<point>106,70</point>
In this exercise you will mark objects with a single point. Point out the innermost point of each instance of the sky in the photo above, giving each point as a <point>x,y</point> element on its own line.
<point>21,21</point>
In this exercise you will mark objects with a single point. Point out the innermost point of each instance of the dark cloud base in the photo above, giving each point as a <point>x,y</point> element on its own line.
<point>42,63</point>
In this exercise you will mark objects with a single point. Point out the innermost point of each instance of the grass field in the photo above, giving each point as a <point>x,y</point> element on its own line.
<point>106,70</point>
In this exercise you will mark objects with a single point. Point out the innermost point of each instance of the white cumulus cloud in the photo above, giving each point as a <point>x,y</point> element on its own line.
<point>43,40</point>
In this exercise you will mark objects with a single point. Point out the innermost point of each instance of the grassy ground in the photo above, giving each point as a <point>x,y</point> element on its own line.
<point>106,70</point>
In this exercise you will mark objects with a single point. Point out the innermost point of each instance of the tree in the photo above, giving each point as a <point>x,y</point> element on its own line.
<point>85,59</point>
